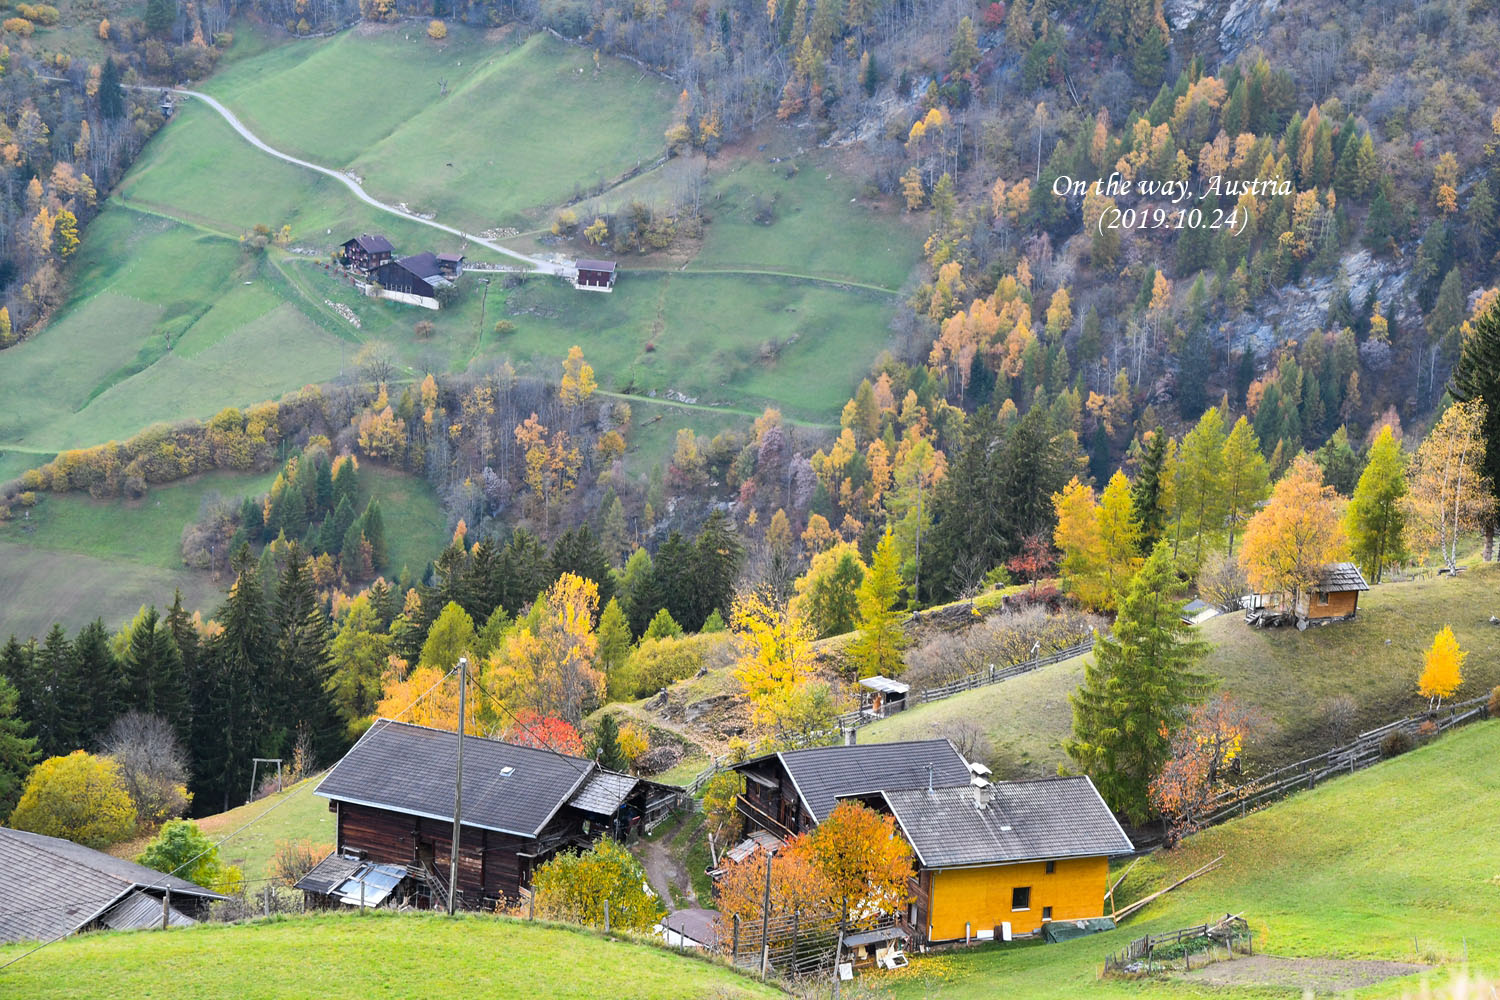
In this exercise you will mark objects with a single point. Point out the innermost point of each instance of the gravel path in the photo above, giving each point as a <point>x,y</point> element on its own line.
<point>1318,975</point>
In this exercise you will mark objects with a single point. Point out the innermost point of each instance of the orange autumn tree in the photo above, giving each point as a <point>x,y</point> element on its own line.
<point>1203,752</point>
<point>798,889</point>
<point>864,864</point>
<point>545,732</point>
<point>1296,534</point>
<point>424,697</point>
<point>1442,668</point>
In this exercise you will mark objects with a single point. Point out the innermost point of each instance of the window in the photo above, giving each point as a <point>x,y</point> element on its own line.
<point>1046,914</point>
<point>1322,598</point>
<point>1020,898</point>
<point>1051,867</point>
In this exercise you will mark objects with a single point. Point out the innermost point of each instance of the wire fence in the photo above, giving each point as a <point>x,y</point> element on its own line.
<point>1157,952</point>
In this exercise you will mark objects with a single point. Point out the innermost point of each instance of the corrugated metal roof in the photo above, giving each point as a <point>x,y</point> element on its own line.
<point>326,874</point>
<point>1340,577</point>
<point>411,769</point>
<point>885,684</point>
<point>603,792</point>
<point>50,887</point>
<point>1023,821</point>
<point>141,910</point>
<point>824,774</point>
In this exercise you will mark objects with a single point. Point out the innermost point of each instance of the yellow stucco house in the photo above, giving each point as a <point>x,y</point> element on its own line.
<point>1005,857</point>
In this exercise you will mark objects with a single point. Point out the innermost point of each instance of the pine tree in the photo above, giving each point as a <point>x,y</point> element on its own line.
<point>346,485</point>
<point>1375,519</point>
<point>17,665</point>
<point>1477,377</point>
<point>577,551</point>
<point>526,568</point>
<point>160,16</point>
<point>607,744</point>
<point>1147,493</point>
<point>1137,690</point>
<point>153,681</point>
<point>111,96</point>
<point>18,751</point>
<point>300,667</point>
<point>99,669</point>
<point>877,648</point>
<point>717,555</point>
<point>228,722</point>
<point>59,711</point>
<point>614,637</point>
<point>374,532</point>
<point>323,488</point>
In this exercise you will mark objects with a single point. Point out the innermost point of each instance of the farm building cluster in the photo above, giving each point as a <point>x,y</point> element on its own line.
<point>992,860</point>
<point>414,280</point>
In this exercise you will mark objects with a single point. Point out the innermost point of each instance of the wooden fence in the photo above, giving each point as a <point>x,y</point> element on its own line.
<point>1364,750</point>
<point>1143,954</point>
<point>860,718</point>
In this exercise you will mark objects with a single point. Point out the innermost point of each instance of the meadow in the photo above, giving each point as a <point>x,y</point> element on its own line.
<point>1393,863</point>
<point>72,558</point>
<point>353,957</point>
<point>1288,675</point>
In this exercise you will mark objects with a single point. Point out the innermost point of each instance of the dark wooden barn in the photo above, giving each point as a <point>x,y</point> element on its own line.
<point>392,798</point>
<point>366,252</point>
<point>50,887</point>
<point>450,265</point>
<point>397,276</point>
<point>595,275</point>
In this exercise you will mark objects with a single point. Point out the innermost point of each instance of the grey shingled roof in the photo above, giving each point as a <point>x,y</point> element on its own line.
<point>824,774</point>
<point>411,769</point>
<point>423,265</point>
<point>50,887</point>
<point>1339,577</point>
<point>603,792</point>
<point>1024,821</point>
<point>596,265</point>
<point>141,910</point>
<point>373,243</point>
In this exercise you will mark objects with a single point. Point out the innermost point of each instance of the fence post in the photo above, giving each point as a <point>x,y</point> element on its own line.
<point>606,916</point>
<point>734,947</point>
<point>166,906</point>
<point>361,897</point>
<point>531,905</point>
<point>267,895</point>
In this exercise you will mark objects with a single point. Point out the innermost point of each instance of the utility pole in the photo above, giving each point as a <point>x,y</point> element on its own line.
<point>458,787</point>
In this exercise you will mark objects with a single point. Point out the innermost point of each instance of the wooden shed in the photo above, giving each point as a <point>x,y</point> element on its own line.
<point>1335,597</point>
<point>595,275</point>
<point>392,798</point>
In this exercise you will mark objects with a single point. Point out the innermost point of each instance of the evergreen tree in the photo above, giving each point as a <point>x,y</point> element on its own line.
<point>323,488</point>
<point>526,569</point>
<point>1477,377</point>
<point>290,512</point>
<point>153,681</point>
<point>662,626</point>
<point>1194,367</point>
<point>299,669</point>
<point>577,551</point>
<point>877,648</point>
<point>99,671</point>
<point>374,531</point>
<point>637,584</point>
<point>672,580</point>
<point>1339,462</point>
<point>1375,519</point>
<point>1147,494</point>
<point>1137,690</point>
<point>160,16</point>
<point>1200,501</point>
<point>17,665</point>
<point>486,581</point>
<point>111,95</point>
<point>717,555</point>
<point>60,706</point>
<point>227,725</point>
<point>968,529</point>
<point>346,485</point>
<point>18,751</point>
<point>607,744</point>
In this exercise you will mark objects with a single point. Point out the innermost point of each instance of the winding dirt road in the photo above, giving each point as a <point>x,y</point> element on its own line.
<point>540,265</point>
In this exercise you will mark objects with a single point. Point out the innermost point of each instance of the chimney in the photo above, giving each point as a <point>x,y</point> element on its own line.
<point>983,790</point>
<point>851,736</point>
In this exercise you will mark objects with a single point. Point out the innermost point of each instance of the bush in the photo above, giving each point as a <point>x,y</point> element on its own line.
<point>1396,743</point>
<point>1426,731</point>
<point>295,858</point>
<point>79,797</point>
<point>656,663</point>
<point>181,849</point>
<point>18,26</point>
<point>504,328</point>
<point>437,30</point>
<point>1493,705</point>
<point>1339,713</point>
<point>1000,639</point>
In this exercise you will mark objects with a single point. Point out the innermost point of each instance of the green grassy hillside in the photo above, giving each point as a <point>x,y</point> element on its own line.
<point>1375,659</point>
<point>349,957</point>
<point>1358,868</point>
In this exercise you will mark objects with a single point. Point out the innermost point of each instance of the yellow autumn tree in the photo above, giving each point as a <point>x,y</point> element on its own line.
<point>549,662</point>
<point>1296,534</point>
<point>774,669</point>
<point>1447,493</point>
<point>424,697</point>
<point>578,382</point>
<point>1442,668</point>
<point>1077,538</point>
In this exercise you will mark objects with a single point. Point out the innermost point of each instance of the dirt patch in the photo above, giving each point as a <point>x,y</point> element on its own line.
<point>1319,975</point>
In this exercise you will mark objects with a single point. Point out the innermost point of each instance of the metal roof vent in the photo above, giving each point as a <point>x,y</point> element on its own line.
<point>506,772</point>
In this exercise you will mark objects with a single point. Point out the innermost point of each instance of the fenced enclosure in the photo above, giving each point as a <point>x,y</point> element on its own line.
<point>1159,952</point>
<point>786,945</point>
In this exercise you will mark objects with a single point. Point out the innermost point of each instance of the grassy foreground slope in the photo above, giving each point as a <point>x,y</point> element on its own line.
<point>1355,869</point>
<point>1289,675</point>
<point>349,957</point>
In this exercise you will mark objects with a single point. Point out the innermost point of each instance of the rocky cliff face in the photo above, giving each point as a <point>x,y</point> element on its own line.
<point>1239,22</point>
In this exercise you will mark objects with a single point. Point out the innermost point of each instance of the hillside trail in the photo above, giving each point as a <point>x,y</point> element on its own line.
<point>664,872</point>
<point>541,265</point>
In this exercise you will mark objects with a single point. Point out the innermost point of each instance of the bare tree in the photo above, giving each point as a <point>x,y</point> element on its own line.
<point>1223,583</point>
<point>153,764</point>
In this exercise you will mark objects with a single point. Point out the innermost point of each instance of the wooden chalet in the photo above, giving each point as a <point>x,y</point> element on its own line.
<point>793,791</point>
<point>392,799</point>
<point>992,860</point>
<point>1003,859</point>
<point>50,887</point>
<point>450,265</point>
<point>595,275</point>
<point>367,251</point>
<point>1333,597</point>
<point>412,280</point>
